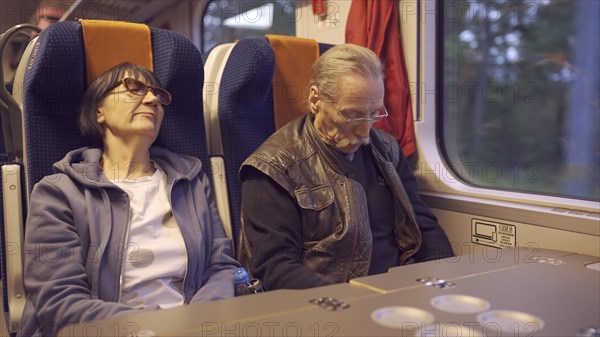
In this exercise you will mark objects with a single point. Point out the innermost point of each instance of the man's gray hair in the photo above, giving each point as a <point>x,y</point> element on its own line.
<point>341,60</point>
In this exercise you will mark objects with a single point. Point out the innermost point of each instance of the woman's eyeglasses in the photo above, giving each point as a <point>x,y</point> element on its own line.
<point>141,89</point>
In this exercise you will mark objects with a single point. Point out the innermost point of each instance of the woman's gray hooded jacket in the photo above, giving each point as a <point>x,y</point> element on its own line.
<point>76,236</point>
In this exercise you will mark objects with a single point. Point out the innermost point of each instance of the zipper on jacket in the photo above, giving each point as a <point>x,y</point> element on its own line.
<point>124,251</point>
<point>187,255</point>
<point>346,184</point>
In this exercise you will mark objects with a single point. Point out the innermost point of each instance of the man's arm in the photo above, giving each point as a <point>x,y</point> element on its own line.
<point>435,243</point>
<point>272,243</point>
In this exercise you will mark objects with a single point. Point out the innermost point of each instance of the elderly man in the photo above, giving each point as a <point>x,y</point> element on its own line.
<point>328,198</point>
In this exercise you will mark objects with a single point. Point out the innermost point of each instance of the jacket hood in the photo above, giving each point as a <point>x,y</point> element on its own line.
<point>83,165</point>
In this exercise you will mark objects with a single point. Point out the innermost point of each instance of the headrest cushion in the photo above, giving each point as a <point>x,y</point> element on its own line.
<point>108,43</point>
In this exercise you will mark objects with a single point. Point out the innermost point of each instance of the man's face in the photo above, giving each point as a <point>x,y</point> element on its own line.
<point>338,108</point>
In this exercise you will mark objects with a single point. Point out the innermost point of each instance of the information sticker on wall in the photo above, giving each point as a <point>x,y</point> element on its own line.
<point>493,234</point>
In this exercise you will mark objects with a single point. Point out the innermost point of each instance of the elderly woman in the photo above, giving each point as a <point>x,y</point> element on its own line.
<point>122,226</point>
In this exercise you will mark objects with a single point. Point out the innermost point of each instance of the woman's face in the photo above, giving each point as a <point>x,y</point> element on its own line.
<point>124,113</point>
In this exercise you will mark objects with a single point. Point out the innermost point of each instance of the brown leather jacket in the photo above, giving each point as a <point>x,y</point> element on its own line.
<point>335,220</point>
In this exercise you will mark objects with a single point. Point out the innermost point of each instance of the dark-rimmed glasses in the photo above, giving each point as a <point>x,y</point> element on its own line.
<point>373,116</point>
<point>139,88</point>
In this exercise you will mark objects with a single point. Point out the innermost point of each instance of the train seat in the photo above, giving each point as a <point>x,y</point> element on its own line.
<point>245,112</point>
<point>213,71</point>
<point>55,80</point>
<point>12,212</point>
<point>247,94</point>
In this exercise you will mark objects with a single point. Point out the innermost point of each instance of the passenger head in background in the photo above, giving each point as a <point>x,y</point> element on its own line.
<point>346,94</point>
<point>49,12</point>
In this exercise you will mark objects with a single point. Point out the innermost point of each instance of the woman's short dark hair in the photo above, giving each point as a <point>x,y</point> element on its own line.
<point>99,89</point>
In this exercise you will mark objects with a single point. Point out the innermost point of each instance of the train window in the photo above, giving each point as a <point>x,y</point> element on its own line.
<point>225,21</point>
<point>519,96</point>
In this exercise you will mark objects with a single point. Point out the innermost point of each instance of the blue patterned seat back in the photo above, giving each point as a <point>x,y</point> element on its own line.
<point>56,80</point>
<point>246,111</point>
<point>323,47</point>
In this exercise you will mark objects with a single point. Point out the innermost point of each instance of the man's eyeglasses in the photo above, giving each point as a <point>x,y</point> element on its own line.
<point>354,120</point>
<point>141,89</point>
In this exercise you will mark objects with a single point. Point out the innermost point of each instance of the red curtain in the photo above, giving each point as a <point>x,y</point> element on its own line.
<point>318,7</point>
<point>375,24</point>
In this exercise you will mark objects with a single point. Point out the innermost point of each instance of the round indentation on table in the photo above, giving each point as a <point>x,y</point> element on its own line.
<point>460,304</point>
<point>588,332</point>
<point>406,318</point>
<point>511,322</point>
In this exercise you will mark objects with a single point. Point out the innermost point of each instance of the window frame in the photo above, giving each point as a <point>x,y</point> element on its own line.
<point>197,19</point>
<point>428,129</point>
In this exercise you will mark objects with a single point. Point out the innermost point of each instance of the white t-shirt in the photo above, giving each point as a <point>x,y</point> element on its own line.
<point>156,259</point>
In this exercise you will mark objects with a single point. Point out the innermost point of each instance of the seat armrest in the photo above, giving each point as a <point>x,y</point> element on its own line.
<point>13,243</point>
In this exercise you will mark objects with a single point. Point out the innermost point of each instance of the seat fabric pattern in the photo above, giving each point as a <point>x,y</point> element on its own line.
<point>245,112</point>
